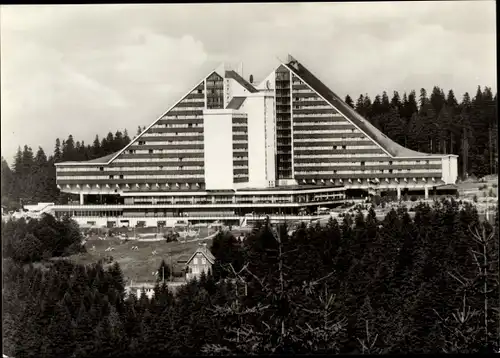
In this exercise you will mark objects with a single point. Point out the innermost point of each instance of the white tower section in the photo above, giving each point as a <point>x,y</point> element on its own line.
<point>218,138</point>
<point>261,139</point>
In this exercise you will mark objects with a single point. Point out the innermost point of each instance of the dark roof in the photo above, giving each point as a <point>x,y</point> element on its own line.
<point>235,102</point>
<point>205,252</point>
<point>385,142</point>
<point>235,76</point>
<point>101,160</point>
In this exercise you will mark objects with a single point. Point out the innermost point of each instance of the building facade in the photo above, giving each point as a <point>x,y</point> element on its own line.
<point>230,147</point>
<point>202,260</point>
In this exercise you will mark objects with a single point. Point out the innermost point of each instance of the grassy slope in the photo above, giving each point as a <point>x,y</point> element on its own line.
<point>137,265</point>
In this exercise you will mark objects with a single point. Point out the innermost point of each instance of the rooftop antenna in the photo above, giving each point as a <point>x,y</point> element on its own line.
<point>240,69</point>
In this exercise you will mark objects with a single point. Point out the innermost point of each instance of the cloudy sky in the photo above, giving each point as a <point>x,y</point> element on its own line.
<point>90,69</point>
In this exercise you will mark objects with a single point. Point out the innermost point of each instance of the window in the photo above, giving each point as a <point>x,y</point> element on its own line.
<point>390,171</point>
<point>141,142</point>
<point>151,151</point>
<point>200,90</point>
<point>111,177</point>
<point>190,125</point>
<point>426,162</point>
<point>131,151</point>
<point>390,162</point>
<point>121,176</point>
<point>101,169</point>
<point>195,261</point>
<point>362,164</point>
<point>203,261</point>
<point>344,147</point>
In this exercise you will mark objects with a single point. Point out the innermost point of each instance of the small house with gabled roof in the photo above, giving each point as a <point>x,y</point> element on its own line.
<point>200,261</point>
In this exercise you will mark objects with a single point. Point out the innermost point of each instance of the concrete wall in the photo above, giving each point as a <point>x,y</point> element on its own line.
<point>235,89</point>
<point>449,169</point>
<point>261,140</point>
<point>218,137</point>
<point>254,107</point>
<point>272,82</point>
<point>270,123</point>
<point>453,169</point>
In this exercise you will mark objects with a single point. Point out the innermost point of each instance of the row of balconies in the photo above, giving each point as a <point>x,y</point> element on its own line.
<point>190,103</point>
<point>326,140</point>
<point>195,95</point>
<point>145,146</point>
<point>318,117</point>
<point>173,175</point>
<point>347,170</point>
<point>167,119</point>
<point>133,184</point>
<point>401,176</point>
<point>196,157</point>
<point>340,157</point>
<point>183,112</point>
<point>173,148</point>
<point>131,171</point>
<point>341,152</point>
<point>372,166</point>
<point>162,167</point>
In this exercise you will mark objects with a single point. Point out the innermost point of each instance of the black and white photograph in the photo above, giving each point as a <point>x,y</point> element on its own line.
<point>222,179</point>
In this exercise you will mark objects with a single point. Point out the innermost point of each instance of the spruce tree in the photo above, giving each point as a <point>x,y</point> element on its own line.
<point>385,102</point>
<point>349,101</point>
<point>423,99</point>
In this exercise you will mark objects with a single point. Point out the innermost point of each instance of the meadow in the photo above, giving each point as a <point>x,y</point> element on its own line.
<point>138,265</point>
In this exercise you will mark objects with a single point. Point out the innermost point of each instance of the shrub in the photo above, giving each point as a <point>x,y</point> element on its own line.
<point>376,200</point>
<point>413,198</point>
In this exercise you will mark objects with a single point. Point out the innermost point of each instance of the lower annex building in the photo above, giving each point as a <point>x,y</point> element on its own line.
<point>230,147</point>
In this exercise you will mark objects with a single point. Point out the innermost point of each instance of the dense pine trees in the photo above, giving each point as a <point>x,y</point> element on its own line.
<point>32,178</point>
<point>437,123</point>
<point>427,284</point>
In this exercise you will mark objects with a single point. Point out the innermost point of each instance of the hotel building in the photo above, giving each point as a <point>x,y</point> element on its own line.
<point>230,147</point>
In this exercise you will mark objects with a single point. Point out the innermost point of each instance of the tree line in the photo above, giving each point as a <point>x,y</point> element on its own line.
<point>27,241</point>
<point>414,285</point>
<point>32,178</point>
<point>439,123</point>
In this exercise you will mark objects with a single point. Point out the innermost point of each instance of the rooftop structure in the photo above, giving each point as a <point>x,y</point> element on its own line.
<point>230,147</point>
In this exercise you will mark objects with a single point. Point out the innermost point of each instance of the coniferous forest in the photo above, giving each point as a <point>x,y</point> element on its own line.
<point>427,284</point>
<point>438,122</point>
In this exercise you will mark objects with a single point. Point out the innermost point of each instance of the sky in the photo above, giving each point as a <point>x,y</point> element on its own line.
<point>91,69</point>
